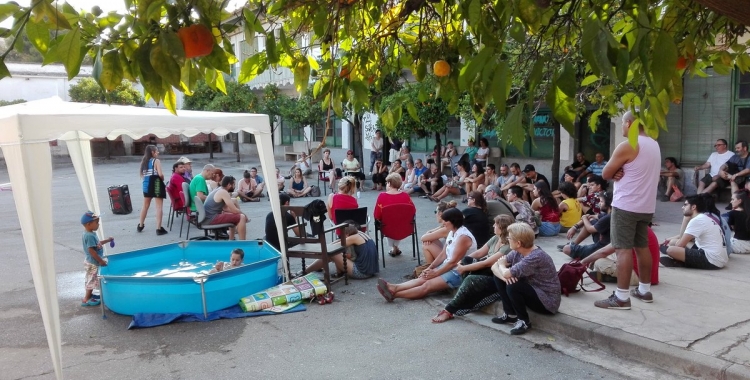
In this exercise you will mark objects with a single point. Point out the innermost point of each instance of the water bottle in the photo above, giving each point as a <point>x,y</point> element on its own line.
<point>357,194</point>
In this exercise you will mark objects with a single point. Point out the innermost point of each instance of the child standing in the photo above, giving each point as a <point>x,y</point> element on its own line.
<point>93,250</point>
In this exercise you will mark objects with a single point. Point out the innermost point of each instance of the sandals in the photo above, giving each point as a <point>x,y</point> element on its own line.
<point>443,316</point>
<point>91,302</point>
<point>382,287</point>
<point>394,252</point>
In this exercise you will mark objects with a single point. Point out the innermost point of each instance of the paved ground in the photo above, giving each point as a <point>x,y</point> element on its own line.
<point>697,324</point>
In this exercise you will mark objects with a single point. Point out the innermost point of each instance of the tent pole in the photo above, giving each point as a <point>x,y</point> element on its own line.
<point>264,143</point>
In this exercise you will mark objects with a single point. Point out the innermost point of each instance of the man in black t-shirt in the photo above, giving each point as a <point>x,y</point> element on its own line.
<point>532,177</point>
<point>272,236</point>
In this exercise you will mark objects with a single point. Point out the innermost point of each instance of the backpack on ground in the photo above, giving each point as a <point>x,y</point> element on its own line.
<point>571,276</point>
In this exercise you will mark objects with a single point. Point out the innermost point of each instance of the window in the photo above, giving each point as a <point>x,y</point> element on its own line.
<point>427,143</point>
<point>743,86</point>
<point>333,139</point>
<point>291,132</point>
<point>542,143</point>
<point>248,138</point>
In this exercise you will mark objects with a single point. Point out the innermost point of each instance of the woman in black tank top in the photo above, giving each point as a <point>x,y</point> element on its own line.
<point>326,168</point>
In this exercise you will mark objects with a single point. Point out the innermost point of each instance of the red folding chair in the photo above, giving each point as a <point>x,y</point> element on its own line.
<point>397,221</point>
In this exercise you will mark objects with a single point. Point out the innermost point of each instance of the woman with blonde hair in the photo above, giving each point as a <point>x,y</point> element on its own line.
<point>478,287</point>
<point>344,199</point>
<point>153,187</point>
<point>392,195</point>
<point>432,240</point>
<point>525,278</point>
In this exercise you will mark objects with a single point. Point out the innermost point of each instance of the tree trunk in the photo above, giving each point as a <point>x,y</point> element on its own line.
<point>737,11</point>
<point>556,157</point>
<point>210,147</point>
<point>109,149</point>
<point>357,145</point>
<point>439,147</point>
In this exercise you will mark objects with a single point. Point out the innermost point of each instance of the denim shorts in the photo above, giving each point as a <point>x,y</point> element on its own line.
<point>696,258</point>
<point>452,278</point>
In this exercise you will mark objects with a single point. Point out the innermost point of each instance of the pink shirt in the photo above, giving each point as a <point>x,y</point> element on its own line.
<point>636,190</point>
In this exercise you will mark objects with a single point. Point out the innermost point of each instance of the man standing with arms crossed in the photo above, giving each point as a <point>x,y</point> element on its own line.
<point>636,176</point>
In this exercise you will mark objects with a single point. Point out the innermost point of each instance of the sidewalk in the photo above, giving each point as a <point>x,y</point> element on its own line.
<point>698,324</point>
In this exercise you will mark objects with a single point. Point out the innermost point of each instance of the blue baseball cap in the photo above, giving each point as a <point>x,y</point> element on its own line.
<point>89,216</point>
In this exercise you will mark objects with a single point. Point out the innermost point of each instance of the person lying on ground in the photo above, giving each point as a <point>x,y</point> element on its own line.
<point>478,288</point>
<point>441,274</point>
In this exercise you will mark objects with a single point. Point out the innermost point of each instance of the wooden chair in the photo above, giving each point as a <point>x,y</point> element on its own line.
<point>397,221</point>
<point>311,247</point>
<point>200,217</point>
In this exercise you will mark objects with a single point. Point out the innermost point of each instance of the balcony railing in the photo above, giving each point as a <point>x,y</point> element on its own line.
<point>280,76</point>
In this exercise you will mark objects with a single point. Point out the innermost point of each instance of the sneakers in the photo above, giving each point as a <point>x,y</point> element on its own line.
<point>503,319</point>
<point>670,262</point>
<point>161,231</point>
<point>645,297</point>
<point>520,328</point>
<point>613,303</point>
<point>560,247</point>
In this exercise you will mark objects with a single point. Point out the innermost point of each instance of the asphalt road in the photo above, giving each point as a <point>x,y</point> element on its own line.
<point>358,336</point>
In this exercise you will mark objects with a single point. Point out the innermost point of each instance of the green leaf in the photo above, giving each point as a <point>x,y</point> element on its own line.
<point>69,51</point>
<point>664,66</point>
<point>566,82</point>
<point>623,64</point>
<point>535,78</point>
<point>127,71</point>
<point>284,42</point>
<point>518,32</point>
<point>188,77</point>
<point>7,9</point>
<point>633,132</point>
<point>601,60</point>
<point>96,71</point>
<point>4,72</point>
<point>513,129</point>
<point>220,84</point>
<point>313,63</point>
<point>501,84</point>
<point>412,110</point>
<point>252,67</point>
<point>530,14</point>
<point>591,29</point>
<point>475,12</point>
<point>218,59</point>
<point>563,107</point>
<point>38,35</point>
<point>361,93</point>
<point>301,75</point>
<point>594,119</point>
<point>164,65</point>
<point>151,81</point>
<point>273,56</point>
<point>251,24</point>
<point>55,16</point>
<point>112,73</point>
<point>589,80</point>
<point>172,45</point>
<point>320,22</point>
<point>170,101</point>
<point>421,70</point>
<point>469,72</point>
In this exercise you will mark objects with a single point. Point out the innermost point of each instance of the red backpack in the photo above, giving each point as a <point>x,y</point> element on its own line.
<point>571,275</point>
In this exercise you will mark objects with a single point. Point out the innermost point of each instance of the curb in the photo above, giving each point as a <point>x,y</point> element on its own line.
<point>619,343</point>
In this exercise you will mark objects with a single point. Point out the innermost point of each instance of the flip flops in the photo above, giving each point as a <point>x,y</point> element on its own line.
<point>383,290</point>
<point>91,302</point>
<point>443,316</point>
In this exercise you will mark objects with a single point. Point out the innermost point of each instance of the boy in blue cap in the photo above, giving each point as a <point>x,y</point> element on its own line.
<point>92,247</point>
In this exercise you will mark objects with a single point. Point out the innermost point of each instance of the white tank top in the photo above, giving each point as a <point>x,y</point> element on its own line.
<point>636,191</point>
<point>451,241</point>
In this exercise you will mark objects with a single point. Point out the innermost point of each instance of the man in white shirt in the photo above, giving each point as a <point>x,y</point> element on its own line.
<point>303,163</point>
<point>709,182</point>
<point>709,251</point>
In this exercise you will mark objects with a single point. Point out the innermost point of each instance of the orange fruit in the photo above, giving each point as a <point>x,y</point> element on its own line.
<point>344,73</point>
<point>197,40</point>
<point>681,63</point>
<point>441,68</point>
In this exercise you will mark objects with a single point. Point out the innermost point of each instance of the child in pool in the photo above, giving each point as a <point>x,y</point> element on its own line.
<point>235,260</point>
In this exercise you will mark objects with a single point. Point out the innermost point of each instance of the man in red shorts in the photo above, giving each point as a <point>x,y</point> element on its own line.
<point>220,209</point>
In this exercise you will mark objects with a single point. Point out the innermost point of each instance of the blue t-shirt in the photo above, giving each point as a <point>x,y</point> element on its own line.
<point>418,172</point>
<point>90,239</point>
<point>258,179</point>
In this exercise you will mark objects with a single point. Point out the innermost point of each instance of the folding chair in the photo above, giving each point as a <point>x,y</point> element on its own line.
<point>200,217</point>
<point>397,221</point>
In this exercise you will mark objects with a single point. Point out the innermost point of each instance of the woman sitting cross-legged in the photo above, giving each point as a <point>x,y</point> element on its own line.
<point>378,175</point>
<point>299,187</point>
<point>361,255</point>
<point>433,240</point>
<point>478,288</point>
<point>525,278</point>
<point>441,274</point>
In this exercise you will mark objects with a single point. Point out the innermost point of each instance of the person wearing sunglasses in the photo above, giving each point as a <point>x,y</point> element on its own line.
<point>714,163</point>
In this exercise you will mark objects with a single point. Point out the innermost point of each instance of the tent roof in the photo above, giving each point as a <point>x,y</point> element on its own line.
<point>50,119</point>
<point>25,130</point>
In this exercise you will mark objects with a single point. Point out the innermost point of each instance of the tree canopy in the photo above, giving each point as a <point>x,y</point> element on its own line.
<point>513,54</point>
<point>88,91</point>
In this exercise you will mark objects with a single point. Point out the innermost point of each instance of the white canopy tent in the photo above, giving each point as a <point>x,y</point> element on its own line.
<point>25,132</point>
